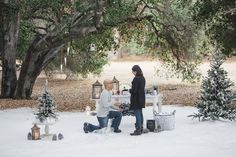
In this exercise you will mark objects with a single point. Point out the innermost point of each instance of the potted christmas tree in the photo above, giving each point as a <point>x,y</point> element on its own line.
<point>46,111</point>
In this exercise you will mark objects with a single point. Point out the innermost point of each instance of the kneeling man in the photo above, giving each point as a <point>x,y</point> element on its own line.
<point>106,110</point>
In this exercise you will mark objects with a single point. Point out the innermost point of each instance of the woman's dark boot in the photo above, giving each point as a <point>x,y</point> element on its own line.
<point>143,131</point>
<point>136,132</point>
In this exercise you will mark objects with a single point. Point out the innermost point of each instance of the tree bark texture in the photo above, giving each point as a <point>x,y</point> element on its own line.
<point>9,36</point>
<point>41,52</point>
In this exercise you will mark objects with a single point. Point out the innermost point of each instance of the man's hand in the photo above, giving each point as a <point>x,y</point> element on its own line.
<point>119,109</point>
<point>117,104</point>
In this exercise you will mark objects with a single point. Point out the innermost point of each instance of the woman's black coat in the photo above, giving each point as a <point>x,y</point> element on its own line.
<point>137,91</point>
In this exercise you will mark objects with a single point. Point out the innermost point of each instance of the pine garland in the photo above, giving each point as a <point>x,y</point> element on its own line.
<point>216,97</point>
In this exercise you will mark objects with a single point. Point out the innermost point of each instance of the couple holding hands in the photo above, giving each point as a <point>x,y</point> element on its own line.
<point>110,110</point>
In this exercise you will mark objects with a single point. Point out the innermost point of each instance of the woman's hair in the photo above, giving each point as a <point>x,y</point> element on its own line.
<point>138,70</point>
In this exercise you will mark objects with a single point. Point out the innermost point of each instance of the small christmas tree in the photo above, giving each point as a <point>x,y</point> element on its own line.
<point>215,100</point>
<point>47,107</point>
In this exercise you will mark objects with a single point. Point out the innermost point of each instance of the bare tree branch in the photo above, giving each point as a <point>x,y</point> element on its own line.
<point>130,19</point>
<point>39,17</point>
<point>231,11</point>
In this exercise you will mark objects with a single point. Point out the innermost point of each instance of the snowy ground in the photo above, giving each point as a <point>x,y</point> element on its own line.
<point>190,138</point>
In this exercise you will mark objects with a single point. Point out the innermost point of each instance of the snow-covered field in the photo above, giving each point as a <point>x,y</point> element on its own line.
<point>190,138</point>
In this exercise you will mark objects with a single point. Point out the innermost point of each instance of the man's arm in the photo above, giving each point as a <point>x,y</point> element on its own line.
<point>116,106</point>
<point>105,100</point>
<point>106,103</point>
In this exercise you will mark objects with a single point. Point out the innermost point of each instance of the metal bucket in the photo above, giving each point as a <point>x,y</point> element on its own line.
<point>164,121</point>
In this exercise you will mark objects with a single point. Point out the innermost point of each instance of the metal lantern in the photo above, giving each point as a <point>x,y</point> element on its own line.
<point>35,132</point>
<point>116,85</point>
<point>96,90</point>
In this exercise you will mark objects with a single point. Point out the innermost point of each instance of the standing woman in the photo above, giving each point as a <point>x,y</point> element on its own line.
<point>138,98</point>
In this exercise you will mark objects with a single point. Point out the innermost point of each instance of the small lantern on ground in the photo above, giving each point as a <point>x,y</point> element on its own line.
<point>116,85</point>
<point>35,132</point>
<point>96,90</point>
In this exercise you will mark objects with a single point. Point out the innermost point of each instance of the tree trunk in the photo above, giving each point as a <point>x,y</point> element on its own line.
<point>1,31</point>
<point>10,33</point>
<point>36,59</point>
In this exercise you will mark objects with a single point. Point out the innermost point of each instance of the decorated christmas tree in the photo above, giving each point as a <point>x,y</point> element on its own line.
<point>47,107</point>
<point>215,99</point>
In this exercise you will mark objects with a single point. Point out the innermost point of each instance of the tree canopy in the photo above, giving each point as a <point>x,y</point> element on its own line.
<point>42,29</point>
<point>218,18</point>
<point>163,27</point>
